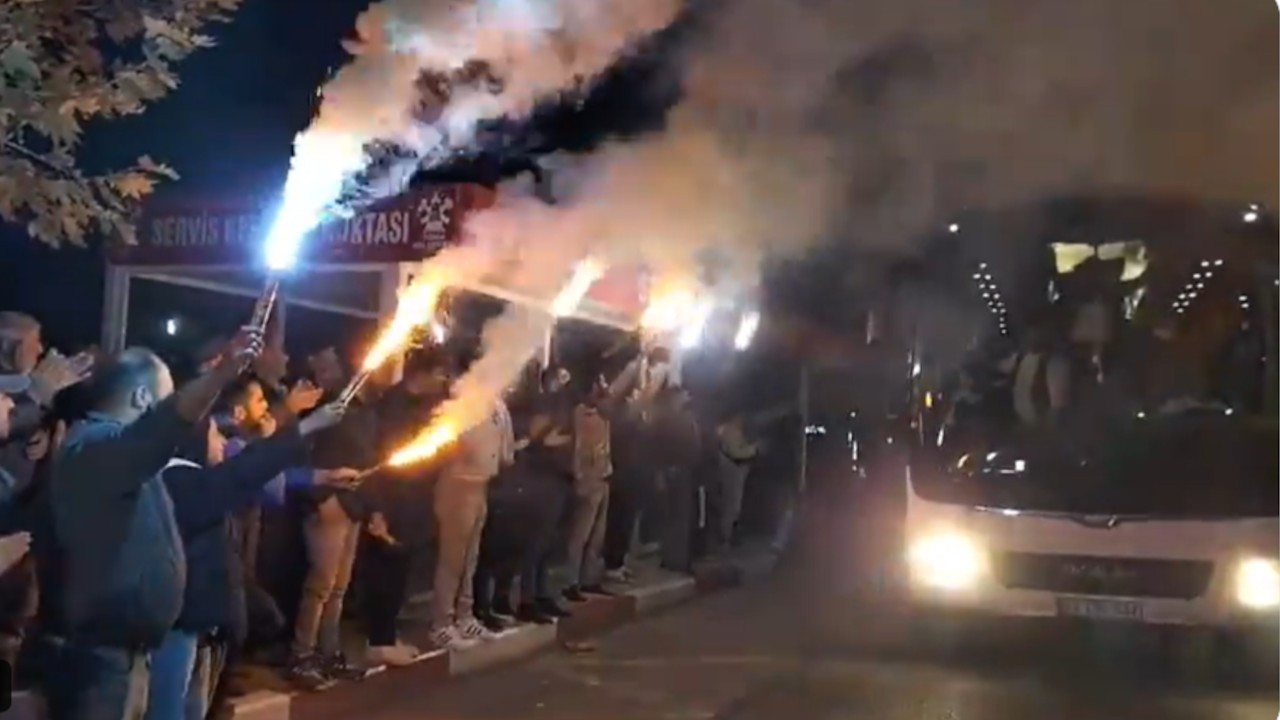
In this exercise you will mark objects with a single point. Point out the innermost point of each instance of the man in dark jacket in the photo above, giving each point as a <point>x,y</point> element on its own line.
<point>113,567</point>
<point>205,493</point>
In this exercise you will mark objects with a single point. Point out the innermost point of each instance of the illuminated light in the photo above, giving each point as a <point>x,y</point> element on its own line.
<point>982,266</point>
<point>915,369</point>
<point>928,400</point>
<point>417,305</point>
<point>991,456</point>
<point>1019,465</point>
<point>667,310</point>
<point>1208,275</point>
<point>1142,415</point>
<point>1229,411</point>
<point>322,161</point>
<point>976,276</point>
<point>1218,262</point>
<point>171,326</point>
<point>585,274</point>
<point>691,334</point>
<point>439,333</point>
<point>428,444</point>
<point>747,331</point>
<point>1195,276</point>
<point>953,228</point>
<point>1251,216</point>
<point>947,561</point>
<point>1258,583</point>
<point>1009,512</point>
<point>1199,286</point>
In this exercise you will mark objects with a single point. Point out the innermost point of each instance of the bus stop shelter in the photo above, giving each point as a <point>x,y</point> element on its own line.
<point>354,266</point>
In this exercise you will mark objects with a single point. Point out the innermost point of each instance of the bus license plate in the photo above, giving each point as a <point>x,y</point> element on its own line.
<point>1100,609</point>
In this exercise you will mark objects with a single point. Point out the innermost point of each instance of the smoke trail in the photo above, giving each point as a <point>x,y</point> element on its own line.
<point>869,123</point>
<point>423,73</point>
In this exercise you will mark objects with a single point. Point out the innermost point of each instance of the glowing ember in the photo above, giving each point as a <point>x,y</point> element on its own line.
<point>585,274</point>
<point>416,307</point>
<point>668,310</point>
<point>437,436</point>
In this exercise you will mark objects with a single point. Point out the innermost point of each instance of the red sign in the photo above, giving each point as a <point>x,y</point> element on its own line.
<point>405,228</point>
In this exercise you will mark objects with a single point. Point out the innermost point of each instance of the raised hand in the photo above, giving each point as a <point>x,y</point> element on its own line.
<point>243,348</point>
<point>303,396</point>
<point>55,372</point>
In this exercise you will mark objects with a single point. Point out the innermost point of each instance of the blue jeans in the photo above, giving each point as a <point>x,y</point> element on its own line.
<point>172,665</point>
<point>95,683</point>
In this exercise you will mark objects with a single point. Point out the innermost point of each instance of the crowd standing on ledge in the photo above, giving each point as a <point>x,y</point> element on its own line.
<point>156,535</point>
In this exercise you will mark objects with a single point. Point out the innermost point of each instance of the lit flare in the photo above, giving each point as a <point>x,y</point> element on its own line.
<point>668,310</point>
<point>585,274</point>
<point>436,437</point>
<point>445,429</point>
<point>416,307</point>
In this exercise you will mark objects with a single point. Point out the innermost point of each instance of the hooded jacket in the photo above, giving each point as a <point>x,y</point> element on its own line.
<point>120,566</point>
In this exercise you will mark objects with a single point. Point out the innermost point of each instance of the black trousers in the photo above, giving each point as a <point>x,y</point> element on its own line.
<point>629,493</point>
<point>680,522</point>
<point>384,574</point>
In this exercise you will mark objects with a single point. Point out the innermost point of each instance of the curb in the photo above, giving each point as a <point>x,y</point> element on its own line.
<point>594,617</point>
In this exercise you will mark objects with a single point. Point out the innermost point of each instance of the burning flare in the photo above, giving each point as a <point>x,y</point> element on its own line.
<point>416,307</point>
<point>585,274</point>
<point>430,442</point>
<point>668,310</point>
<point>509,341</point>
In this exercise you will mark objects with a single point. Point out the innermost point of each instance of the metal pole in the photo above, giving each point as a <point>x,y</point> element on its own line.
<point>115,316</point>
<point>804,425</point>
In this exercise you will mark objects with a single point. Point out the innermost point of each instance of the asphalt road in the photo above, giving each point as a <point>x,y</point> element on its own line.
<point>825,638</point>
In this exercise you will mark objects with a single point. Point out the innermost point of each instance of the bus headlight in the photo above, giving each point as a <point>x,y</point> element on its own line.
<point>947,561</point>
<point>1258,583</point>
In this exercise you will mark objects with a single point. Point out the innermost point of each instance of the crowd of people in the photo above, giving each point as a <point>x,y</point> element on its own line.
<point>155,535</point>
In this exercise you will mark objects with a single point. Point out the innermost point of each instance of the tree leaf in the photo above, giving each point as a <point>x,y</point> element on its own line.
<point>133,185</point>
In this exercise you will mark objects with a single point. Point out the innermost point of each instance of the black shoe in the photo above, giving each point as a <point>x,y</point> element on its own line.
<point>598,590</point>
<point>308,673</point>
<point>530,613</point>
<point>491,623</point>
<point>337,667</point>
<point>573,594</point>
<point>503,607</point>
<point>551,608</point>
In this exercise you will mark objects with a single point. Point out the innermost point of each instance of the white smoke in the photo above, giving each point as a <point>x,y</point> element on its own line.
<point>858,122</point>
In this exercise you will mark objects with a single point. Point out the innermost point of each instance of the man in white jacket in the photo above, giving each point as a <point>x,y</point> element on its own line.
<point>460,507</point>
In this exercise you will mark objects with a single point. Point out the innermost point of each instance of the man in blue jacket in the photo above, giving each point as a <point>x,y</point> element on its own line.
<point>111,553</point>
<point>206,491</point>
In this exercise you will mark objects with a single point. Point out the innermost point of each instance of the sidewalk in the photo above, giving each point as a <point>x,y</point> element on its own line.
<point>653,590</point>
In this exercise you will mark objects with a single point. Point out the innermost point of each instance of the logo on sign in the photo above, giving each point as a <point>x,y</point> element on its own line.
<point>433,214</point>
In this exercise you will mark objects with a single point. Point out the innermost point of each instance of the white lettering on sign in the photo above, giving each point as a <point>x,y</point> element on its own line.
<point>380,228</point>
<point>202,230</point>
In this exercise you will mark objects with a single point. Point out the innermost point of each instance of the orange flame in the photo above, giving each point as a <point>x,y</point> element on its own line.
<point>668,310</point>
<point>444,429</point>
<point>417,306</point>
<point>437,436</point>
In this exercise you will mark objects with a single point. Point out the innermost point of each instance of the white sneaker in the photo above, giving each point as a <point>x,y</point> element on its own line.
<point>398,655</point>
<point>448,638</point>
<point>471,629</point>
